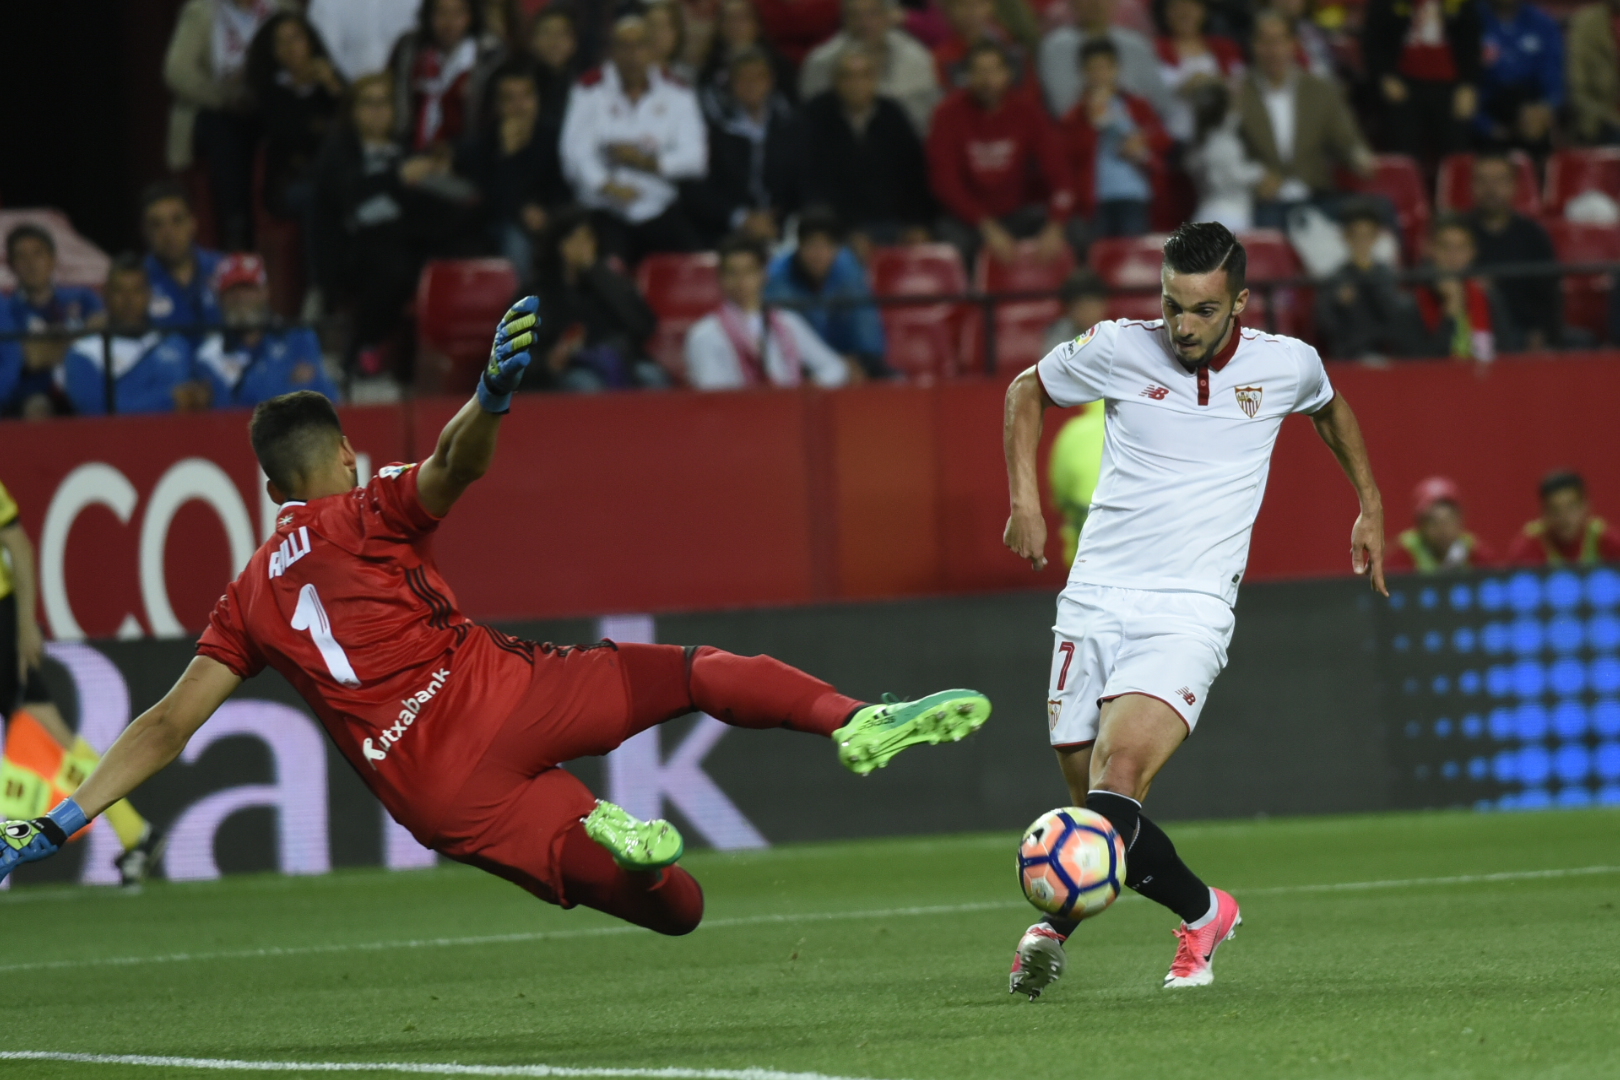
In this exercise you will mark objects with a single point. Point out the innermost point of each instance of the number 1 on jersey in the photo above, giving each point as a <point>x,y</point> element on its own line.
<point>310,615</point>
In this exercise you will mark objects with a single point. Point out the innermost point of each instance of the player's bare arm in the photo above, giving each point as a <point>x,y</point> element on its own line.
<point>1027,403</point>
<point>158,735</point>
<point>467,444</point>
<point>1338,427</point>
<point>148,745</point>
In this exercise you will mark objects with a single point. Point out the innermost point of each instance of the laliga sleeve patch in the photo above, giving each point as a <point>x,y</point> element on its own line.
<point>394,472</point>
<point>1082,340</point>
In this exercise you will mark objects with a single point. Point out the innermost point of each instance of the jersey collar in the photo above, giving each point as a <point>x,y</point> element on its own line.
<point>1224,357</point>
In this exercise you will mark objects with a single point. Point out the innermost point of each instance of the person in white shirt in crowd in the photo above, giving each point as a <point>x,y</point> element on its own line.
<point>734,348</point>
<point>359,34</point>
<point>205,69</point>
<point>1218,163</point>
<point>441,69</point>
<point>631,135</point>
<point>906,70</point>
<point>1059,61</point>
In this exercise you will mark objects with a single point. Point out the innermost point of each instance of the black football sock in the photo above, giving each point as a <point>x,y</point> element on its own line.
<point>1153,869</point>
<point>1063,926</point>
<point>1122,812</point>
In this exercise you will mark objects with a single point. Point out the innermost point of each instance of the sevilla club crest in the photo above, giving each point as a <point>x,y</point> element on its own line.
<point>1248,398</point>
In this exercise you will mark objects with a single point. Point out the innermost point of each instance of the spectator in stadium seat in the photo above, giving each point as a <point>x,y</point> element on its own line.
<point>40,304</point>
<point>212,116</point>
<point>1521,85</point>
<point>1085,304</point>
<point>362,33</point>
<point>996,164</point>
<point>861,156</point>
<point>1594,73</point>
<point>299,95</point>
<point>905,70</point>
<point>595,322</point>
<point>631,136</point>
<point>1567,533</point>
<point>821,267</point>
<point>515,166</point>
<point>1464,317</point>
<point>374,221</point>
<point>1059,60</point>
<point>179,272</point>
<point>1424,58</point>
<point>1190,59</point>
<point>1296,125</point>
<point>440,70</point>
<point>733,347</point>
<point>1504,236</point>
<point>973,23</point>
<point>554,49</point>
<point>1438,540</point>
<point>737,31</point>
<point>1362,313</point>
<point>152,371</point>
<point>1218,163</point>
<point>666,39</point>
<point>1115,148</point>
<point>1318,53</point>
<point>250,360</point>
<point>752,181</point>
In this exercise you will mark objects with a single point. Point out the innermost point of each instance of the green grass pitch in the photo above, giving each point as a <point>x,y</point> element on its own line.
<point>1357,959</point>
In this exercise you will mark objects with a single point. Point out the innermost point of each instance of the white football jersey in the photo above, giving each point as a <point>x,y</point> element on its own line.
<point>1186,453</point>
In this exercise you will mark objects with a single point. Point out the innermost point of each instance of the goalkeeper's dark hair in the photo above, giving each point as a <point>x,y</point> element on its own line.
<point>1203,247</point>
<point>291,433</point>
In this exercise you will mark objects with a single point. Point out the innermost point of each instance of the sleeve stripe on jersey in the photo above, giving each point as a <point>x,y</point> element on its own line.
<point>417,580</point>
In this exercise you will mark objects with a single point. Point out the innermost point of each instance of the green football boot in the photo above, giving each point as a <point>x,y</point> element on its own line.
<point>635,844</point>
<point>878,732</point>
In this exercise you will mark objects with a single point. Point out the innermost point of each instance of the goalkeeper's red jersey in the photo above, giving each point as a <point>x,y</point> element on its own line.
<point>346,603</point>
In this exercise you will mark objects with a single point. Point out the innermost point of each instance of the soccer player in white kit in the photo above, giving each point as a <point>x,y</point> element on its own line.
<point>1194,403</point>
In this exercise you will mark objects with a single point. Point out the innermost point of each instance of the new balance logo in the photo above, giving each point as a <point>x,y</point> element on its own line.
<point>1157,393</point>
<point>1190,697</point>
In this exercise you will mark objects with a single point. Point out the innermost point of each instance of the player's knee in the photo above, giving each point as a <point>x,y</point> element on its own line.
<point>682,898</point>
<point>1122,773</point>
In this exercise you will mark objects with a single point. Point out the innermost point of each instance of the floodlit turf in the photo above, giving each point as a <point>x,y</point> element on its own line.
<point>1495,978</point>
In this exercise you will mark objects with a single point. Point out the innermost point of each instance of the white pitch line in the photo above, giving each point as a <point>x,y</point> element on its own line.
<point>271,952</point>
<point>409,1068</point>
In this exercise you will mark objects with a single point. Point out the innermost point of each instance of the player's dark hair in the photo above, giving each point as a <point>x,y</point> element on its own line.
<point>1082,283</point>
<point>289,433</point>
<point>160,191</point>
<point>1098,46</point>
<point>741,244</point>
<point>27,231</point>
<point>1203,247</point>
<point>1562,480</point>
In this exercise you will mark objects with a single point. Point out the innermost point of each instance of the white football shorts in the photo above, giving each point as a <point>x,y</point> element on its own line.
<point>1110,642</point>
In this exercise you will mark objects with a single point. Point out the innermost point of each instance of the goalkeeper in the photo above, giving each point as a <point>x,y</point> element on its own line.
<point>44,760</point>
<point>458,728</point>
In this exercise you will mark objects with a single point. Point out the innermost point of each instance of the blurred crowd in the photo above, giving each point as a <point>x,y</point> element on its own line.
<point>576,137</point>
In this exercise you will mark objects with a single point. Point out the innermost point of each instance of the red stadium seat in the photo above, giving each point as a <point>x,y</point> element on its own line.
<point>1021,325</point>
<point>680,289</point>
<point>1272,258</point>
<point>1130,261</point>
<point>1570,172</point>
<point>1586,298</point>
<point>1397,178</point>
<point>923,338</point>
<point>457,302</point>
<point>1454,187</point>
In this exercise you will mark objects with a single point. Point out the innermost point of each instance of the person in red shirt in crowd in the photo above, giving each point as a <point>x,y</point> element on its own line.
<point>1463,315</point>
<point>1115,147</point>
<point>1438,540</point>
<point>1424,57</point>
<point>1567,533</point>
<point>971,22</point>
<point>458,728</point>
<point>996,165</point>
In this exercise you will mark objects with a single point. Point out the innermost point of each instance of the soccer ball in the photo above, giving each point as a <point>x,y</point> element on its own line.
<point>1071,862</point>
